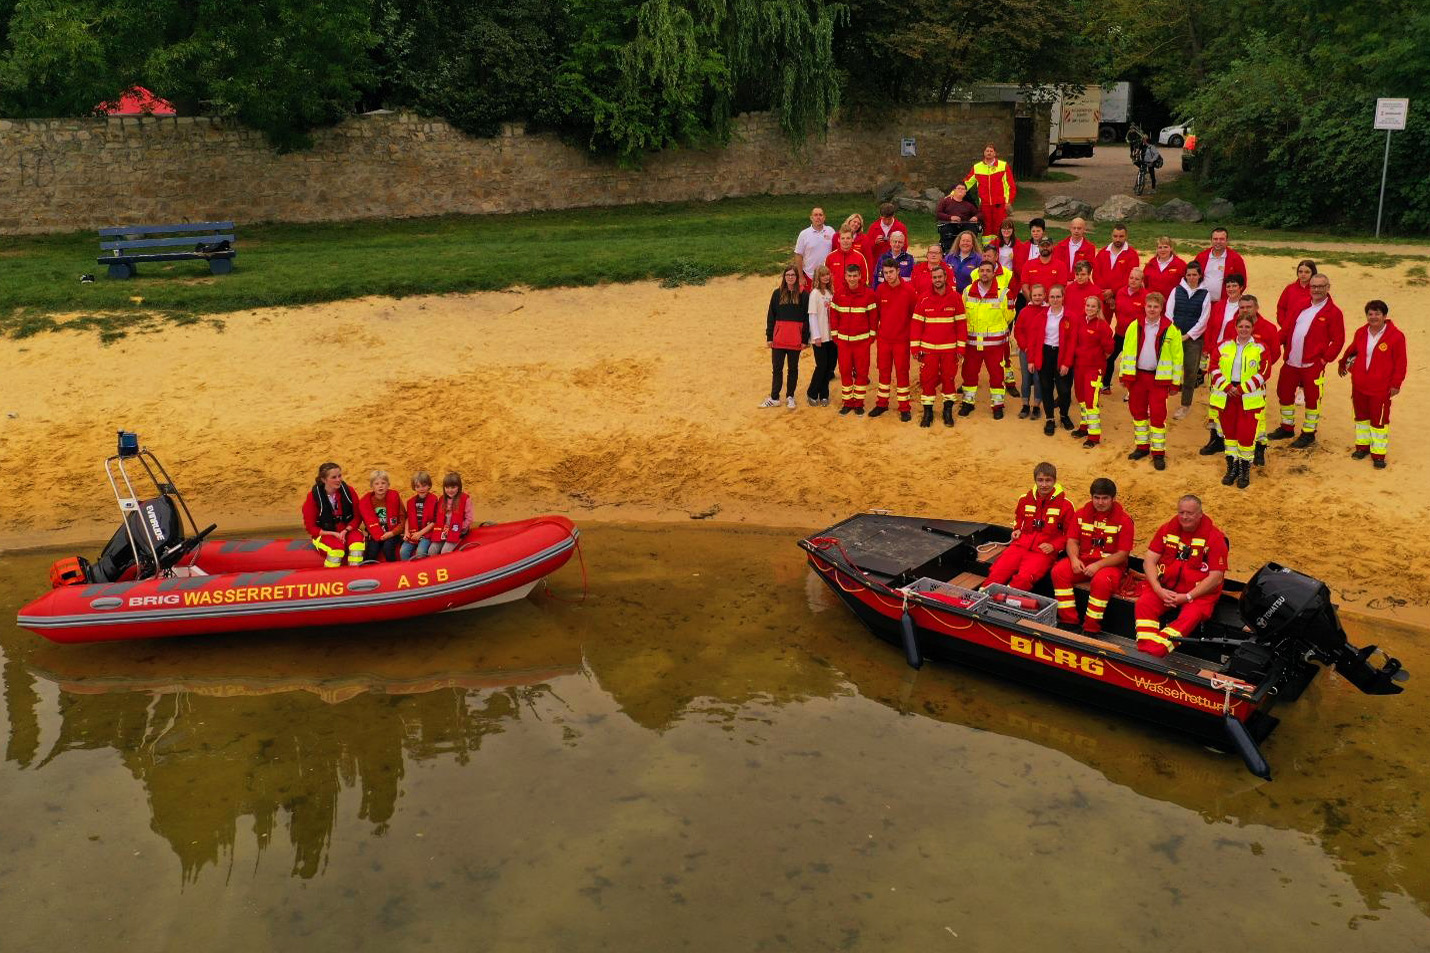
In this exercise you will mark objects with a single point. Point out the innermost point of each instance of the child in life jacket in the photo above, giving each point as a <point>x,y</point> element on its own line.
<point>382,515</point>
<point>421,515</point>
<point>454,516</point>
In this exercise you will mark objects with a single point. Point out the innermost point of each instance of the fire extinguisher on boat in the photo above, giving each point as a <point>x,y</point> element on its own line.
<point>1016,602</point>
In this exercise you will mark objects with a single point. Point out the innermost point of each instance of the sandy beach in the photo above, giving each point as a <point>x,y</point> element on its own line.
<point>634,402</point>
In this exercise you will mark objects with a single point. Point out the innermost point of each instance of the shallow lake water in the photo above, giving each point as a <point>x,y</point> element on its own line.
<point>709,753</point>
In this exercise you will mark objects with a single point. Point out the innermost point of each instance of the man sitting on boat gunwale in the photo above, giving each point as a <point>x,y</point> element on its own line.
<point>1099,544</point>
<point>1185,565</point>
<point>1041,521</point>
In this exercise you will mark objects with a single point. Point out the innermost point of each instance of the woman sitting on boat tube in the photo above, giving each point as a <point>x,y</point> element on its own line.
<point>330,514</point>
<point>454,516</point>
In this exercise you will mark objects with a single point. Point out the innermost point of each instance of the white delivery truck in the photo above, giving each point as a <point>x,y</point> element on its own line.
<point>1075,116</point>
<point>1116,112</point>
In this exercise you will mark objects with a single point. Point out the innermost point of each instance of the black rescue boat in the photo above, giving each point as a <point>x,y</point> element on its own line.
<point>919,583</point>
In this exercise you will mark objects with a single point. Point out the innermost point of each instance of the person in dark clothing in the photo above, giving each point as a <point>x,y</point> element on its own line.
<point>786,334</point>
<point>953,214</point>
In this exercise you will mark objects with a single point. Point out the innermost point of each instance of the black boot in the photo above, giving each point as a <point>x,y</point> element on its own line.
<point>1139,453</point>
<point>998,412</point>
<point>947,413</point>
<point>965,410</point>
<point>1232,469</point>
<point>1012,390</point>
<point>1243,476</point>
<point>878,412</point>
<point>904,416</point>
<point>1215,444</point>
<point>1307,438</point>
<point>927,419</point>
<point>1259,455</point>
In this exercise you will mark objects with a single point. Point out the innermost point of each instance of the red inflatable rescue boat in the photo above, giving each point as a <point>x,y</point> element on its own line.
<point>155,579</point>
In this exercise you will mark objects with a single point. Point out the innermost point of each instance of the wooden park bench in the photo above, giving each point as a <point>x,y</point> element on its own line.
<point>127,246</point>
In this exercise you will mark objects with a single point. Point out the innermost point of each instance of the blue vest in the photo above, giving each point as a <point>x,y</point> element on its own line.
<point>1187,309</point>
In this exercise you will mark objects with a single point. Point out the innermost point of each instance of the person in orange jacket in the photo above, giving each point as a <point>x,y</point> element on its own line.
<point>996,188</point>
<point>1309,341</point>
<point>332,519</point>
<point>1185,565</point>
<point>1376,361</point>
<point>1098,548</point>
<point>1041,523</point>
<point>853,315</point>
<point>383,516</point>
<point>896,300</point>
<point>937,339</point>
<point>1088,348</point>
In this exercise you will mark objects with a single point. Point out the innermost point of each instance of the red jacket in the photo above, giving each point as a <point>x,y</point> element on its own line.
<point>853,315</point>
<point>392,517</point>
<point>1128,308</point>
<point>1223,315</point>
<point>1102,534</point>
<point>1031,332</point>
<point>1037,273</point>
<point>997,188</point>
<point>1156,277</point>
<point>1062,253</point>
<point>1264,333</point>
<point>1387,362</point>
<point>452,521</point>
<point>1188,558</point>
<point>340,525</point>
<point>923,282</point>
<point>896,311</point>
<point>1110,277</point>
<point>1041,521</point>
<point>878,240</point>
<point>938,323</point>
<point>838,260</point>
<point>1235,265</point>
<point>423,524</point>
<point>1091,345</point>
<point>1075,294</point>
<point>1325,338</point>
<point>1294,299</point>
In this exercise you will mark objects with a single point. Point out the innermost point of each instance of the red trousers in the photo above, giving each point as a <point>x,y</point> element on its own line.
<point>1021,568</point>
<point>333,544</point>
<point>940,369</point>
<point>1156,639</point>
<point>1087,387</point>
<point>1309,379</point>
<point>1372,422</point>
<point>1238,427</point>
<point>854,371</point>
<point>995,359</point>
<point>893,361</point>
<point>1104,583</point>
<point>1147,402</point>
<point>993,216</point>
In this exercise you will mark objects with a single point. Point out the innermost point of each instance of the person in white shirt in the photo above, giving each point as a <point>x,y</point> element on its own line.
<point>826,352</point>
<point>813,245</point>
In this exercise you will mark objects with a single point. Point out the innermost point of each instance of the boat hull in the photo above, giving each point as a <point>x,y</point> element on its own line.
<point>247,585</point>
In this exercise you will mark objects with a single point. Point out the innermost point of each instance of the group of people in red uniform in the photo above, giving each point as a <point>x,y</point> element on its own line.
<point>1079,317</point>
<point>377,526</point>
<point>1184,566</point>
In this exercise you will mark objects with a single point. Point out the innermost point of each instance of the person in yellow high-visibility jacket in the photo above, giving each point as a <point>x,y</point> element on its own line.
<point>996,188</point>
<point>990,314</point>
<point>1151,370</point>
<point>1238,392</point>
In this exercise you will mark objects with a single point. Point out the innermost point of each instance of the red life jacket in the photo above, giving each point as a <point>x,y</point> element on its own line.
<point>392,517</point>
<point>429,512</point>
<point>449,519</point>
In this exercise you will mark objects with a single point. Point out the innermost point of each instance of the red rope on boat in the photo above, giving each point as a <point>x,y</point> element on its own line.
<point>585,582</point>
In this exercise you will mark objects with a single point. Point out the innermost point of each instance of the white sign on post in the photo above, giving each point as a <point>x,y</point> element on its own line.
<point>1390,114</point>
<point>906,147</point>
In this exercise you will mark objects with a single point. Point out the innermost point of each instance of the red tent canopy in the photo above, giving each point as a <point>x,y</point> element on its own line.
<point>137,101</point>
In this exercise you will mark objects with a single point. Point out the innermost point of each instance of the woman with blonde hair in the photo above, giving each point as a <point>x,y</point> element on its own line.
<point>826,352</point>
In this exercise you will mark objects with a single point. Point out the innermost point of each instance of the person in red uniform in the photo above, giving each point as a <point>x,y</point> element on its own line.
<point>1032,315</point>
<point>937,338</point>
<point>1075,247</point>
<point>896,299</point>
<point>1221,327</point>
<point>884,226</point>
<point>923,271</point>
<point>1112,264</point>
<point>1313,338</point>
<point>332,519</point>
<point>1164,270</point>
<point>1044,270</point>
<point>382,516</point>
<point>996,188</point>
<point>1041,523</point>
<point>1269,337</point>
<point>1080,289</point>
<point>848,252</point>
<point>1085,354</point>
<point>1151,370</point>
<point>1185,565</point>
<point>853,313</point>
<point>1376,361</point>
<point>1098,548</point>
<point>1296,297</point>
<point>1129,305</point>
<point>1218,261</point>
<point>989,317</point>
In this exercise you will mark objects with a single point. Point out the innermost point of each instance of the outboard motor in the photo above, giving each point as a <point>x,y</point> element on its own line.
<point>1284,606</point>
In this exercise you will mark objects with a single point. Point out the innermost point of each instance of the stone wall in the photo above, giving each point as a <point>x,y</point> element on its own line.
<point>67,174</point>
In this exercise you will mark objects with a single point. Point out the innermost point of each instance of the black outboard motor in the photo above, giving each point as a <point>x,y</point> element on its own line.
<point>1284,606</point>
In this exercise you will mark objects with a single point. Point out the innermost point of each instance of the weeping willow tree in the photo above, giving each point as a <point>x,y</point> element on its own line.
<point>669,72</point>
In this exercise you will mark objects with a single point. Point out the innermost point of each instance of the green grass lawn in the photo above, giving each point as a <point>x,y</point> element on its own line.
<point>302,264</point>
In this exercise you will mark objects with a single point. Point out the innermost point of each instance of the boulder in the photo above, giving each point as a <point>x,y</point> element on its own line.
<point>1124,208</point>
<point>909,203</point>
<point>885,191</point>
<point>1065,206</point>
<point>1220,209</point>
<point>1178,210</point>
<point>934,195</point>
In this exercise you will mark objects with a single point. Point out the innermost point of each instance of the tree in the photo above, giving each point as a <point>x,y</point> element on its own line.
<point>64,57</point>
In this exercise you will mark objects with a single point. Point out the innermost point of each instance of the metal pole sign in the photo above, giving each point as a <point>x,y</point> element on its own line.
<point>1390,115</point>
